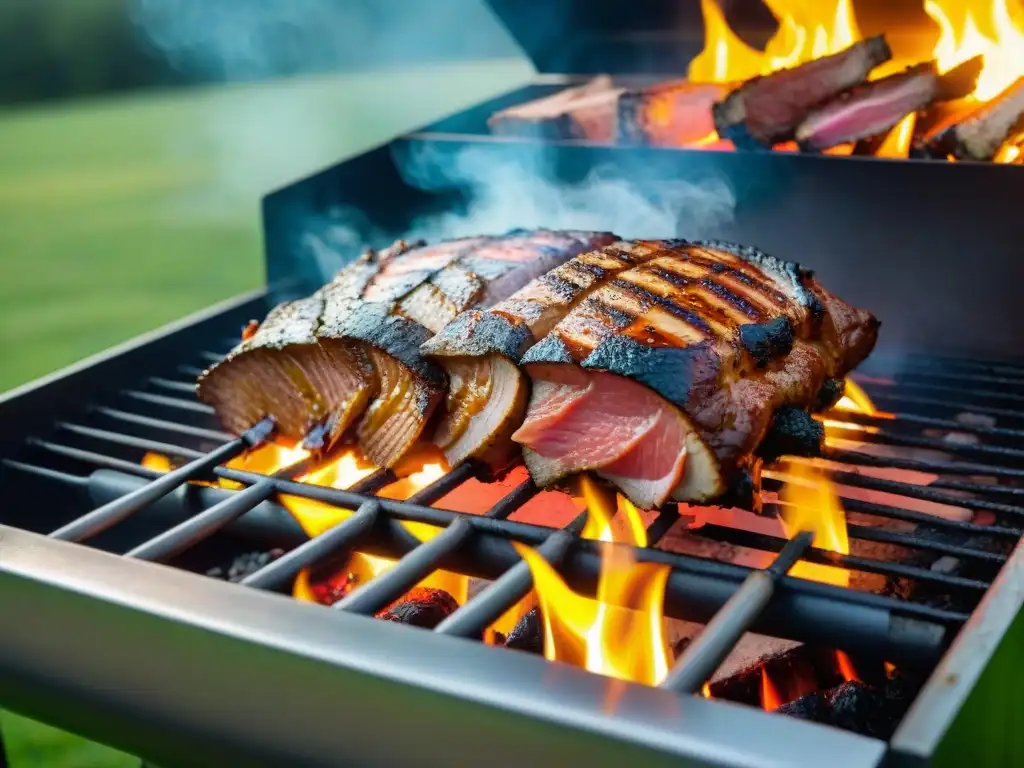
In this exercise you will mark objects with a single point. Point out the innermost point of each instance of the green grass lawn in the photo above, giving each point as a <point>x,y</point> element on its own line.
<point>118,216</point>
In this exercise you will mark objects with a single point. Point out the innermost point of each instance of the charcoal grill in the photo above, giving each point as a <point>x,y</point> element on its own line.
<point>110,642</point>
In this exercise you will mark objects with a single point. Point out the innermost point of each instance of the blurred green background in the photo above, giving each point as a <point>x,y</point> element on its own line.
<point>130,175</point>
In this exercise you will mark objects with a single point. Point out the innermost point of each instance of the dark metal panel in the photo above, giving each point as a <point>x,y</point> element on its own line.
<point>137,656</point>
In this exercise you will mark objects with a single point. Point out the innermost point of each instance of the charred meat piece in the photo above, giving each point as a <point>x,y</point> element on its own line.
<point>649,383</point>
<point>669,114</point>
<point>585,111</point>
<point>876,107</point>
<point>480,351</point>
<point>979,134</point>
<point>767,110</point>
<point>354,357</point>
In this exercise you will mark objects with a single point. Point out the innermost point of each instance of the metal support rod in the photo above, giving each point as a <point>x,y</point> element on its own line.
<point>110,514</point>
<point>513,585</point>
<point>192,531</point>
<point>709,649</point>
<point>411,569</point>
<point>342,536</point>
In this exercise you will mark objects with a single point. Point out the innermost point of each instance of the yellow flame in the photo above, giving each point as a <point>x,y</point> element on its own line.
<point>621,633</point>
<point>808,29</point>
<point>810,503</point>
<point>969,28</point>
<point>897,144</point>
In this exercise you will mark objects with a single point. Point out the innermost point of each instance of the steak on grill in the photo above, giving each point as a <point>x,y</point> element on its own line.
<point>661,380</point>
<point>481,349</point>
<point>352,349</point>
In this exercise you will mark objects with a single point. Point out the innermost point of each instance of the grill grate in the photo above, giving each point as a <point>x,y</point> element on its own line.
<point>159,414</point>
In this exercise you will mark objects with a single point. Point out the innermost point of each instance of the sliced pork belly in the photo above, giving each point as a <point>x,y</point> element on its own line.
<point>666,379</point>
<point>480,350</point>
<point>365,328</point>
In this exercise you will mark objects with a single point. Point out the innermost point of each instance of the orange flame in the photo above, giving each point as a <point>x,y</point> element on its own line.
<point>810,503</point>
<point>808,29</point>
<point>854,400</point>
<point>705,691</point>
<point>988,28</point>
<point>897,142</point>
<point>846,668</point>
<point>890,670</point>
<point>621,634</point>
<point>770,697</point>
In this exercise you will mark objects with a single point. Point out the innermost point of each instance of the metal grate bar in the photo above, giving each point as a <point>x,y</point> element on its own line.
<point>957,393</point>
<point>376,594</point>
<point>472,618</point>
<point>662,524</point>
<point>894,513</point>
<point>883,437</point>
<point>163,424</point>
<point>97,459</point>
<point>190,370</point>
<point>767,543</point>
<point>211,357</point>
<point>193,406</point>
<point>345,534</point>
<point>50,474</point>
<point>512,501</point>
<point>908,419</point>
<point>132,441</point>
<point>183,387</point>
<point>958,407</point>
<point>442,486</point>
<point>843,456</point>
<point>708,650</point>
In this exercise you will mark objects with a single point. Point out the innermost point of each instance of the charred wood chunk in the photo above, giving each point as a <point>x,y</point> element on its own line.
<point>767,341</point>
<point>527,634</point>
<point>829,394</point>
<point>811,707</point>
<point>862,709</point>
<point>978,134</point>
<point>765,111</point>
<point>794,433</point>
<point>421,607</point>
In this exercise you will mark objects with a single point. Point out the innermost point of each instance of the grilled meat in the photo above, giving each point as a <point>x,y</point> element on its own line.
<point>978,134</point>
<point>480,351</point>
<point>666,379</point>
<point>876,107</point>
<point>669,114</point>
<point>765,111</point>
<point>352,349</point>
<point>583,112</point>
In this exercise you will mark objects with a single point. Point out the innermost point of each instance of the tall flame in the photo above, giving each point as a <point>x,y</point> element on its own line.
<point>989,28</point>
<point>810,503</point>
<point>621,634</point>
<point>808,29</point>
<point>770,696</point>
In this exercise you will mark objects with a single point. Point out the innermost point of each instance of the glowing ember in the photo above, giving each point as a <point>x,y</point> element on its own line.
<point>705,691</point>
<point>846,667</point>
<point>810,503</point>
<point>987,27</point>
<point>770,698</point>
<point>808,29</point>
<point>890,670</point>
<point>621,634</point>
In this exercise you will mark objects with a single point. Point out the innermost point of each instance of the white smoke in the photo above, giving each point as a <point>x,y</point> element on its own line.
<point>507,190</point>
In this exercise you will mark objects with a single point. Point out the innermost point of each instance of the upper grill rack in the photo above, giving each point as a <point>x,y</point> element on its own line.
<point>159,414</point>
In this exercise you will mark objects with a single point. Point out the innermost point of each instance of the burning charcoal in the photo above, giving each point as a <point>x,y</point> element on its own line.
<point>671,114</point>
<point>245,565</point>
<point>586,111</point>
<point>765,111</point>
<point>980,134</point>
<point>875,108</point>
<point>526,635</point>
<point>810,707</point>
<point>421,607</point>
<point>862,709</point>
<point>793,432</point>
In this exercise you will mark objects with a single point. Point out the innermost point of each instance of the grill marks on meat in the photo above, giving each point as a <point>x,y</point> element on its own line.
<point>652,380</point>
<point>767,110</point>
<point>483,346</point>
<point>348,356</point>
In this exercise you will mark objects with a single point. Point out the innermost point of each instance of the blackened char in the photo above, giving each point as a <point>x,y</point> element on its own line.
<point>980,133</point>
<point>767,110</point>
